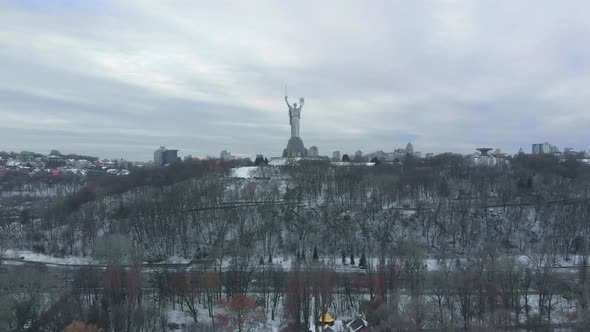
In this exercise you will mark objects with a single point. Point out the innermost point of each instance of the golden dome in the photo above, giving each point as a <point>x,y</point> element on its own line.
<point>326,318</point>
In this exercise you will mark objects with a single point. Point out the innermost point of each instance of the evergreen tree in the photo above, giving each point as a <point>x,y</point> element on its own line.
<point>363,261</point>
<point>343,257</point>
<point>298,256</point>
<point>269,258</point>
<point>259,160</point>
<point>376,160</point>
<point>261,261</point>
<point>315,256</point>
<point>351,257</point>
<point>345,158</point>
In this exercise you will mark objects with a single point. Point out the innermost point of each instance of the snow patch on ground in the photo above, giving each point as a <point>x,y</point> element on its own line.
<point>283,161</point>
<point>432,264</point>
<point>176,260</point>
<point>251,172</point>
<point>351,163</point>
<point>179,317</point>
<point>47,259</point>
<point>246,172</point>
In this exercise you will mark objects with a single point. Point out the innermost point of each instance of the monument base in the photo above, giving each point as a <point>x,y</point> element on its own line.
<point>295,148</point>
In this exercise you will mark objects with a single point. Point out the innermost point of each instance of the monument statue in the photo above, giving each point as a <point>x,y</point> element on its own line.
<point>294,116</point>
<point>295,147</point>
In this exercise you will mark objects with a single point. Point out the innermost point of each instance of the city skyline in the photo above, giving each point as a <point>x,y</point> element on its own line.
<point>447,76</point>
<point>225,154</point>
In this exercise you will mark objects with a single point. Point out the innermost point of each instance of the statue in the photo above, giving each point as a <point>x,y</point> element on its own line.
<point>294,116</point>
<point>295,147</point>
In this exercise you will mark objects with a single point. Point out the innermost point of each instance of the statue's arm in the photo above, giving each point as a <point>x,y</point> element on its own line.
<point>286,101</point>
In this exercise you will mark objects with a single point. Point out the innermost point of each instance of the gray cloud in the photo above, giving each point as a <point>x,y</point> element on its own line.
<point>118,79</point>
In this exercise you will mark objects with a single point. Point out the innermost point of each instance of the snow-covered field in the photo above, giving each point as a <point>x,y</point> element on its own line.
<point>250,172</point>
<point>17,255</point>
<point>244,172</point>
<point>184,318</point>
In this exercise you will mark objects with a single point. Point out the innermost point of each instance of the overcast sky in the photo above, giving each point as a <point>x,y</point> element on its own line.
<point>120,78</point>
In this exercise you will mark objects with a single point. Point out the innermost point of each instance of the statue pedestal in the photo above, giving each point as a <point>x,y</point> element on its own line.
<point>295,148</point>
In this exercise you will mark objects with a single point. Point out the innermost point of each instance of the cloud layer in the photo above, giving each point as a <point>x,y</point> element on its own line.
<point>120,78</point>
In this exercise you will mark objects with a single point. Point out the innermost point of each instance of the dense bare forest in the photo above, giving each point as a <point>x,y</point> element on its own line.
<point>433,244</point>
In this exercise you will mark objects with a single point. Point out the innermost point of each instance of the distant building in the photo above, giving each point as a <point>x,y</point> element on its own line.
<point>123,164</point>
<point>358,155</point>
<point>358,325</point>
<point>399,154</point>
<point>380,155</point>
<point>55,161</point>
<point>325,320</point>
<point>418,154</point>
<point>487,160</point>
<point>544,148</point>
<point>159,156</point>
<point>170,156</point>
<point>164,156</point>
<point>225,155</point>
<point>429,155</point>
<point>314,152</point>
<point>337,156</point>
<point>82,163</point>
<point>569,151</point>
<point>26,156</point>
<point>484,151</point>
<point>410,149</point>
<point>106,164</point>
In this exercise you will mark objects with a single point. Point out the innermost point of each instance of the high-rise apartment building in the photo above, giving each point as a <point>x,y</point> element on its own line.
<point>337,156</point>
<point>544,148</point>
<point>164,156</point>
<point>313,151</point>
